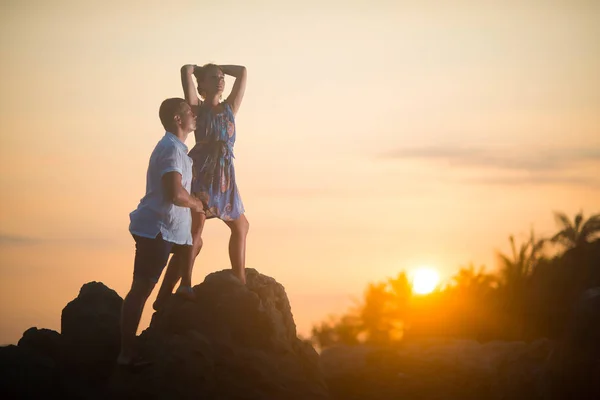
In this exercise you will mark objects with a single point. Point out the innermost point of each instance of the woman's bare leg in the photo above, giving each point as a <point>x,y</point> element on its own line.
<point>237,246</point>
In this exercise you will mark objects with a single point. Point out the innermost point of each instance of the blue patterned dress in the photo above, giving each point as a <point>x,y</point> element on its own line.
<point>213,180</point>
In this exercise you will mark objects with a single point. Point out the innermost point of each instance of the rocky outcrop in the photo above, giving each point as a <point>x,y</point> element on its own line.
<point>239,342</point>
<point>233,342</point>
<point>45,342</point>
<point>26,374</point>
<point>90,330</point>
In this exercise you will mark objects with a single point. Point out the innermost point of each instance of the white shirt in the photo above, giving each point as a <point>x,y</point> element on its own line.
<point>155,214</point>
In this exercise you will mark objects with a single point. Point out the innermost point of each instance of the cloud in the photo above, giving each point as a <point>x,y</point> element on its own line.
<point>511,166</point>
<point>533,160</point>
<point>6,239</point>
<point>75,240</point>
<point>536,180</point>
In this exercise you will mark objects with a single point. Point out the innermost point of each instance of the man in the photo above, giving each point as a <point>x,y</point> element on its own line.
<point>161,224</point>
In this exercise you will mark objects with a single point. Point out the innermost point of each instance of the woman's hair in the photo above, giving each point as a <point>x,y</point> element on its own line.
<point>200,72</point>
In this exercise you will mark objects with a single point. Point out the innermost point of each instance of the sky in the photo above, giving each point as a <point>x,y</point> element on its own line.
<point>374,137</point>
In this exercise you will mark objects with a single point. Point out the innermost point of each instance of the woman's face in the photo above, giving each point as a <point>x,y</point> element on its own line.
<point>213,82</point>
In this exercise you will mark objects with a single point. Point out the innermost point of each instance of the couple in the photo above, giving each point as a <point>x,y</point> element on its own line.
<point>183,190</point>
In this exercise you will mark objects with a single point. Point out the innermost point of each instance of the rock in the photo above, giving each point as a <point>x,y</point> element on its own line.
<point>90,328</point>
<point>74,364</point>
<point>574,368</point>
<point>45,342</point>
<point>583,334</point>
<point>520,375</point>
<point>434,369</point>
<point>233,342</point>
<point>25,374</point>
<point>361,372</point>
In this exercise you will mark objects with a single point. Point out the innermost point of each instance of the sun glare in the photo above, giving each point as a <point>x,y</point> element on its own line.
<point>425,280</point>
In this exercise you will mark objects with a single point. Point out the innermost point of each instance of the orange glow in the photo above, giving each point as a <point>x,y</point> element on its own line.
<point>402,136</point>
<point>425,280</point>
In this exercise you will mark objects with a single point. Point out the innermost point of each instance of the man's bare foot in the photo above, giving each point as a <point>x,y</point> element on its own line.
<point>158,303</point>
<point>124,359</point>
<point>132,364</point>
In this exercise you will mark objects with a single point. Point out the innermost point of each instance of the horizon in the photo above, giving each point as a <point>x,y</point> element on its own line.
<point>370,141</point>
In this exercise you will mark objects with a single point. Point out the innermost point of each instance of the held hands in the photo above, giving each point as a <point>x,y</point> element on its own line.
<point>198,206</point>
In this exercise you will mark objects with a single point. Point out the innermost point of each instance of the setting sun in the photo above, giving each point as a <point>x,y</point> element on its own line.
<point>425,280</point>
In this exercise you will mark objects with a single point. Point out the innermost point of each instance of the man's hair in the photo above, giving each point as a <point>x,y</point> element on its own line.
<point>168,110</point>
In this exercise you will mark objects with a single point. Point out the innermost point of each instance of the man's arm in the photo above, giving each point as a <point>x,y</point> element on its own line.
<point>176,193</point>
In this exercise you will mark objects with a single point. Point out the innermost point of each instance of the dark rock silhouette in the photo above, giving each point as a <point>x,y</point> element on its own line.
<point>44,342</point>
<point>574,368</point>
<point>74,364</point>
<point>26,374</point>
<point>90,330</point>
<point>239,342</point>
<point>233,342</point>
<point>436,368</point>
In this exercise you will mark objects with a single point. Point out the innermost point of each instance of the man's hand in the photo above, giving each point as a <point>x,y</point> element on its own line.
<point>198,206</point>
<point>176,193</point>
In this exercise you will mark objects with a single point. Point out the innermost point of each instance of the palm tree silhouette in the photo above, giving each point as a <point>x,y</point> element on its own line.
<point>470,279</point>
<point>514,269</point>
<point>578,231</point>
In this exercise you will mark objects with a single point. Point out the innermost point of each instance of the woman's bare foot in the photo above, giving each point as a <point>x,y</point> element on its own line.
<point>187,292</point>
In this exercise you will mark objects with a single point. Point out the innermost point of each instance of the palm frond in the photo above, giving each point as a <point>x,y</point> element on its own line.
<point>557,237</point>
<point>577,221</point>
<point>511,239</point>
<point>562,220</point>
<point>590,229</point>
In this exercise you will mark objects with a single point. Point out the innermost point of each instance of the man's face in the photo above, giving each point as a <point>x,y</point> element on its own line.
<point>187,119</point>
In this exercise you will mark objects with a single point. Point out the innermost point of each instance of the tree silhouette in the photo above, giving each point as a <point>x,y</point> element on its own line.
<point>578,231</point>
<point>531,296</point>
<point>514,269</point>
<point>343,330</point>
<point>385,307</point>
<point>473,280</point>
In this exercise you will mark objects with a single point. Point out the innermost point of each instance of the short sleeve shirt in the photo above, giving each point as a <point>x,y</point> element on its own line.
<point>155,213</point>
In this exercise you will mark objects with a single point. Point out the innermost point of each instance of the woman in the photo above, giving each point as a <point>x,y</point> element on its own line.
<point>213,171</point>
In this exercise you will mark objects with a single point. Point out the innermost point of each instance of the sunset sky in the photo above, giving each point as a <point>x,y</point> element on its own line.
<point>375,136</point>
